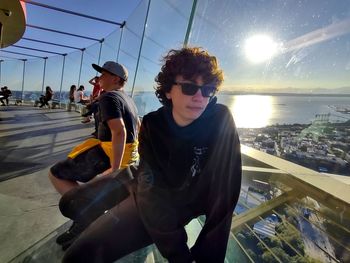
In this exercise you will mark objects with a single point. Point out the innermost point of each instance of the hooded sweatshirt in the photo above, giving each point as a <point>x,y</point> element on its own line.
<point>186,172</point>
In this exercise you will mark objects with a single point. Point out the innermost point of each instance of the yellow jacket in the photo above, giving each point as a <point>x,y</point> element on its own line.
<point>130,153</point>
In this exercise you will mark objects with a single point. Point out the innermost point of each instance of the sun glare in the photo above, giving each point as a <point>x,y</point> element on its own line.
<point>260,48</point>
<point>252,111</point>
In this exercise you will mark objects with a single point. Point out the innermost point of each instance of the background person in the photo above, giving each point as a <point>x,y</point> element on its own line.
<point>117,134</point>
<point>93,105</point>
<point>5,93</point>
<point>79,96</point>
<point>96,88</point>
<point>72,91</point>
<point>44,99</point>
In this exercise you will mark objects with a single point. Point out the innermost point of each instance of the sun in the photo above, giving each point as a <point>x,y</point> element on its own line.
<point>260,48</point>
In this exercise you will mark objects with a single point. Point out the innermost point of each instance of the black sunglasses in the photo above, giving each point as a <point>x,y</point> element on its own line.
<point>190,89</point>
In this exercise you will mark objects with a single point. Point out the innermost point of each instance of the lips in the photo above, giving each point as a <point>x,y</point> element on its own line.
<point>194,108</point>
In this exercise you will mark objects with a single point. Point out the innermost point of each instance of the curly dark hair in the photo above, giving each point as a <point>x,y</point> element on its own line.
<point>190,63</point>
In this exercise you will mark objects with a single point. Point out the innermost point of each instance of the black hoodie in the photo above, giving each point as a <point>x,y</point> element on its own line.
<point>185,172</point>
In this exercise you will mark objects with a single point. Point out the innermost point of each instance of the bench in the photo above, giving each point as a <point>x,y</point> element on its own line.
<point>78,107</point>
<point>16,101</point>
<point>54,104</point>
<point>70,105</point>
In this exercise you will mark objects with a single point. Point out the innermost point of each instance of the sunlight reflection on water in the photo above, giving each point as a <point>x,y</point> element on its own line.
<point>251,111</point>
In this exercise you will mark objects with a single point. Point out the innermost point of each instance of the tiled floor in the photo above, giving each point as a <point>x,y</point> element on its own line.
<point>31,140</point>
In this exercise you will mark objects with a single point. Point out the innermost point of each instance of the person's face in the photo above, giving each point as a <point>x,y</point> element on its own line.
<point>187,108</point>
<point>107,80</point>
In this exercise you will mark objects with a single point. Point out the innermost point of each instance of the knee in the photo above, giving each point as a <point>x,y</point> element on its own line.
<point>66,204</point>
<point>52,177</point>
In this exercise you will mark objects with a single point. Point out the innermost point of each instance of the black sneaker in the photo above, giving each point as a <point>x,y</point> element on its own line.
<point>70,235</point>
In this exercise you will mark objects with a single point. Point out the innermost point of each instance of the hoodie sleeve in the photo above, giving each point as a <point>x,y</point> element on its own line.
<point>225,169</point>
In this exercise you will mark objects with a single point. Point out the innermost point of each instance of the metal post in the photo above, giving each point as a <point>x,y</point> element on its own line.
<point>63,64</point>
<point>24,70</point>
<point>190,22</point>
<point>43,84</point>
<point>99,54</point>
<point>0,70</point>
<point>81,64</point>
<point>138,57</point>
<point>120,41</point>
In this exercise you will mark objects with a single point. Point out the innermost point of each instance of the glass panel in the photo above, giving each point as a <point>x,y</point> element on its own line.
<point>53,74</point>
<point>158,40</point>
<point>11,76</point>
<point>131,40</point>
<point>110,46</point>
<point>294,221</point>
<point>71,72</point>
<point>91,55</point>
<point>286,75</point>
<point>33,83</point>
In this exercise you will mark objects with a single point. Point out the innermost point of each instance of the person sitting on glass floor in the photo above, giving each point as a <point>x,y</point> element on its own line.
<point>190,165</point>
<point>116,145</point>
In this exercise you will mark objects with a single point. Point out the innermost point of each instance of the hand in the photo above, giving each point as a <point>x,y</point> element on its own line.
<point>108,171</point>
<point>101,175</point>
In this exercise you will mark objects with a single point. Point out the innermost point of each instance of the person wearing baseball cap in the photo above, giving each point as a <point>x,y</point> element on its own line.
<point>113,68</point>
<point>114,148</point>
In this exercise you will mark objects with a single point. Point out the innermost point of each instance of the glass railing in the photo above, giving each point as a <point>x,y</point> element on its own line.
<point>279,218</point>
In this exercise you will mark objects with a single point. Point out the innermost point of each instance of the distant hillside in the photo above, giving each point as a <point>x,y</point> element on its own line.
<point>343,91</point>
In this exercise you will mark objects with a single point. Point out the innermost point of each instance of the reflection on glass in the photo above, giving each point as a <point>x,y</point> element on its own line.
<point>251,111</point>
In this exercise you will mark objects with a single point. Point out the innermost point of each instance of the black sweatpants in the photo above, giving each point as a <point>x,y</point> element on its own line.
<point>113,235</point>
<point>87,202</point>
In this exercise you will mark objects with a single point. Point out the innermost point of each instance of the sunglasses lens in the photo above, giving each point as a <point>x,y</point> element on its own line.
<point>208,91</point>
<point>189,89</point>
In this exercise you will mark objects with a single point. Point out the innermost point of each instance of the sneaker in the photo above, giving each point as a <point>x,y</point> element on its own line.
<point>68,237</point>
<point>86,120</point>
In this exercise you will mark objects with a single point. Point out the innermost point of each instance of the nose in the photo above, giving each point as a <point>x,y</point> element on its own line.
<point>198,95</point>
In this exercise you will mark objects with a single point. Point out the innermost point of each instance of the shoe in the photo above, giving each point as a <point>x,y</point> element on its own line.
<point>86,120</point>
<point>85,115</point>
<point>68,237</point>
<point>65,246</point>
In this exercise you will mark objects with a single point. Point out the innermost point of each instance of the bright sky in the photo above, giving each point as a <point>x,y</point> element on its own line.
<point>262,45</point>
<point>114,10</point>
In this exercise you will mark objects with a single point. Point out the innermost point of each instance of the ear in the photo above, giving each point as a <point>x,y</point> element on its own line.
<point>116,80</point>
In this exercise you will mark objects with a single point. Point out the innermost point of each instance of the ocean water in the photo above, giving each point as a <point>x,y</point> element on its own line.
<point>256,111</point>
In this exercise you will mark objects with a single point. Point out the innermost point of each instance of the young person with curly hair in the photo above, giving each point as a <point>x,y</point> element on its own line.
<point>190,165</point>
